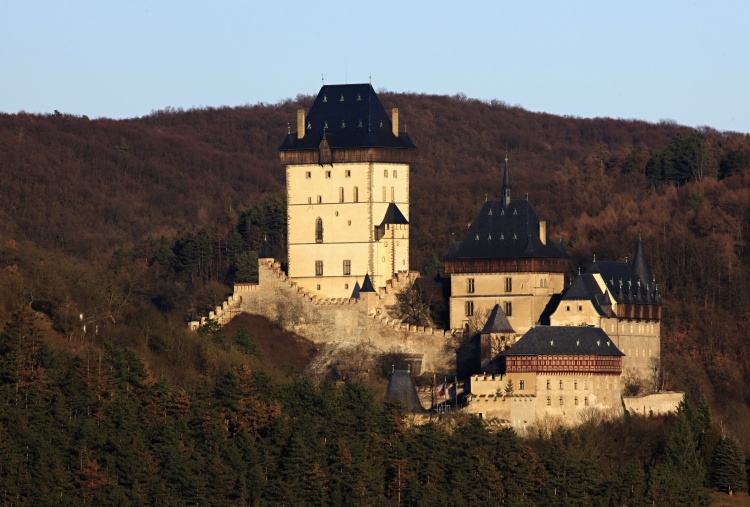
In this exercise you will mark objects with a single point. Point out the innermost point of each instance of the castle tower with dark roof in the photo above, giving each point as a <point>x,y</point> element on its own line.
<point>347,178</point>
<point>506,258</point>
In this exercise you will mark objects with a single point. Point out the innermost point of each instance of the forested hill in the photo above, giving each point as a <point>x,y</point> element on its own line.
<point>134,223</point>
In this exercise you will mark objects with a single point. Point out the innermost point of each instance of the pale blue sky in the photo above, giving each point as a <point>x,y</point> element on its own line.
<point>652,60</point>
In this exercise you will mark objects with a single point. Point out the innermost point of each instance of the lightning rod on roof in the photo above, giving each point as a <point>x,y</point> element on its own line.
<point>322,80</point>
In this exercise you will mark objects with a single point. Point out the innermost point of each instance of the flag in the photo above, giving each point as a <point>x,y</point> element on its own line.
<point>452,392</point>
<point>441,390</point>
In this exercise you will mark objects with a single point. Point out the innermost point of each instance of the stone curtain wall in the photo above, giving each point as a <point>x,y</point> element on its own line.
<point>321,320</point>
<point>653,404</point>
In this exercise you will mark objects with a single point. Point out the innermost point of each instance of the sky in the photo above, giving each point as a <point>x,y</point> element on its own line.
<point>683,61</point>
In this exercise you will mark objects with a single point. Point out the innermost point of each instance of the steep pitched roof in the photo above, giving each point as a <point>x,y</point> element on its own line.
<point>505,232</point>
<point>585,288</point>
<point>401,388</point>
<point>393,215</point>
<point>624,284</point>
<point>641,266</point>
<point>367,285</point>
<point>497,322</point>
<point>565,340</point>
<point>349,116</point>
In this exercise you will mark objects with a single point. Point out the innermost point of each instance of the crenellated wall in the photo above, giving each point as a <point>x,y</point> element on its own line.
<point>325,320</point>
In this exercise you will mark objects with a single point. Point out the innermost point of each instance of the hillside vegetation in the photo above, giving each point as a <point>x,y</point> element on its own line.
<point>125,227</point>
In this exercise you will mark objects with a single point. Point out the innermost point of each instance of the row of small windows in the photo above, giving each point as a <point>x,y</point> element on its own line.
<point>348,174</point>
<point>319,268</point>
<point>469,308</point>
<point>355,195</point>
<point>575,401</point>
<point>575,384</point>
<point>470,285</point>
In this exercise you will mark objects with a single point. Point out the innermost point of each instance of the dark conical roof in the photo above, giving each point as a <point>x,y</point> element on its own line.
<point>393,215</point>
<point>641,266</point>
<point>498,322</point>
<point>401,388</point>
<point>265,250</point>
<point>367,285</point>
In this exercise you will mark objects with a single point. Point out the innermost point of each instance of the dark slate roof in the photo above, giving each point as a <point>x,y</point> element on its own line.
<point>566,340</point>
<point>641,266</point>
<point>393,215</point>
<point>351,116</point>
<point>505,232</point>
<point>401,388</point>
<point>497,322</point>
<point>625,285</point>
<point>583,288</point>
<point>367,285</point>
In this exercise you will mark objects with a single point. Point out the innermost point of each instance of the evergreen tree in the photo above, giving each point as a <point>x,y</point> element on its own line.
<point>728,467</point>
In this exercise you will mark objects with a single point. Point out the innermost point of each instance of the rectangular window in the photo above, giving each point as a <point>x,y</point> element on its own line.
<point>318,268</point>
<point>508,284</point>
<point>356,194</point>
<point>521,385</point>
<point>308,175</point>
<point>508,308</point>
<point>585,384</point>
<point>561,401</point>
<point>575,384</point>
<point>328,174</point>
<point>395,173</point>
<point>320,199</point>
<point>393,194</point>
<point>575,400</point>
<point>347,267</point>
<point>470,285</point>
<point>586,401</point>
<point>580,308</point>
<point>549,401</point>
<point>548,383</point>
<point>341,194</point>
<point>561,384</point>
<point>384,194</point>
<point>348,174</point>
<point>385,173</point>
<point>469,308</point>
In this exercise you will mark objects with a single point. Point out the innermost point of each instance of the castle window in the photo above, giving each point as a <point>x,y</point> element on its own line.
<point>347,267</point>
<point>319,230</point>
<point>586,401</point>
<point>320,199</point>
<point>341,194</point>
<point>318,287</point>
<point>355,195</point>
<point>561,384</point>
<point>318,269</point>
<point>575,400</point>
<point>393,194</point>
<point>348,222</point>
<point>395,174</point>
<point>348,174</point>
<point>309,200</point>
<point>508,284</point>
<point>580,308</point>
<point>508,308</point>
<point>308,175</point>
<point>548,387</point>
<point>567,308</point>
<point>549,401</point>
<point>575,384</point>
<point>384,194</point>
<point>346,286</point>
<point>561,401</point>
<point>585,384</point>
<point>385,173</point>
<point>470,285</point>
<point>328,174</point>
<point>469,308</point>
<point>521,384</point>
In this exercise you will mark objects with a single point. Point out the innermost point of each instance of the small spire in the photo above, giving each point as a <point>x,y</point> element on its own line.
<point>506,188</point>
<point>594,257</point>
<point>322,80</point>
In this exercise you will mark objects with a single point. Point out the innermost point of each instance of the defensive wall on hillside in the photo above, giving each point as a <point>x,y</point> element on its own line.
<point>653,404</point>
<point>321,320</point>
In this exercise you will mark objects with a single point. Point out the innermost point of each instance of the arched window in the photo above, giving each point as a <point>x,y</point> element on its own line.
<point>319,230</point>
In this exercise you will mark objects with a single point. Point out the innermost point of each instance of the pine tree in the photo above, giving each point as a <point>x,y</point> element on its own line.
<point>728,467</point>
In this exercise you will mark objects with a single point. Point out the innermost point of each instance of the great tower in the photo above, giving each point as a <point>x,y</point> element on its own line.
<point>347,182</point>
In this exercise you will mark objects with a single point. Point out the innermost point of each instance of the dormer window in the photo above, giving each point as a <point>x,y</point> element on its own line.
<point>325,98</point>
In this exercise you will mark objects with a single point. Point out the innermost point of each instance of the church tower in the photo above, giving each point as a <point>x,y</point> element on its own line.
<point>347,183</point>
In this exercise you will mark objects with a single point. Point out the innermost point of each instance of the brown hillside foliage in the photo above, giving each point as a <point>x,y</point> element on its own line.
<point>134,223</point>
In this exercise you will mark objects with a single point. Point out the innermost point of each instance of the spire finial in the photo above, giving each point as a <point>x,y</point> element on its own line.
<point>506,188</point>
<point>288,128</point>
<point>594,257</point>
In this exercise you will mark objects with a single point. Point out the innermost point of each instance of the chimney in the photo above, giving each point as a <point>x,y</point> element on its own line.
<point>543,231</point>
<point>300,123</point>
<point>394,120</point>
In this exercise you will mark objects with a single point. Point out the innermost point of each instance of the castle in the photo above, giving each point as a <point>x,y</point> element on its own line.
<point>546,350</point>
